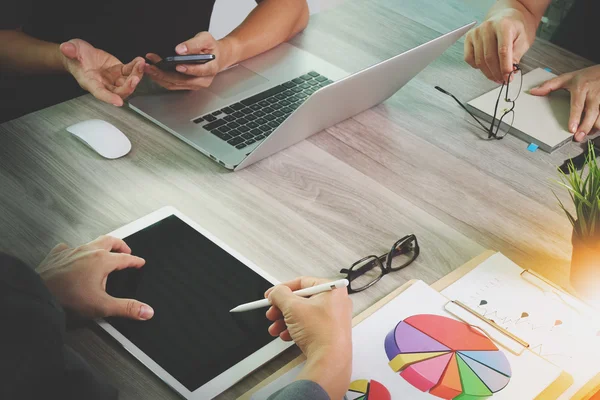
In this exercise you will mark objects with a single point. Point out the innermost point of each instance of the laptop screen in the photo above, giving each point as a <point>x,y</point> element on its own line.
<point>192,284</point>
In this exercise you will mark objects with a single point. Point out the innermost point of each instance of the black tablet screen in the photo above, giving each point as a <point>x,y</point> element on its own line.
<point>192,284</point>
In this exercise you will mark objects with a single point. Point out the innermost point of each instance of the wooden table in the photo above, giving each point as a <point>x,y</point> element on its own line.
<point>414,164</point>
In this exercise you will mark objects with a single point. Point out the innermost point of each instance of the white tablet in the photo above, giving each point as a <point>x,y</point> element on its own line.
<point>192,280</point>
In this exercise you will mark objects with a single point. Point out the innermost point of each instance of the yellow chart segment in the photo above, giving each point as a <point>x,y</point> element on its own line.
<point>402,361</point>
<point>360,386</point>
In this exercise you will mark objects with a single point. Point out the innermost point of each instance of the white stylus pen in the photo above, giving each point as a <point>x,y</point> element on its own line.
<point>325,287</point>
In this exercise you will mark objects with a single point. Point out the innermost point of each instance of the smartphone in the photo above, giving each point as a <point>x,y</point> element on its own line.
<point>169,63</point>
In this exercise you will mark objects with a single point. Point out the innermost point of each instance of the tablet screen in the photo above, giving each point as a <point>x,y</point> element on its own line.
<point>192,284</point>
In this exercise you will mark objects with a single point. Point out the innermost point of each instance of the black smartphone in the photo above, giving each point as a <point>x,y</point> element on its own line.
<point>169,63</point>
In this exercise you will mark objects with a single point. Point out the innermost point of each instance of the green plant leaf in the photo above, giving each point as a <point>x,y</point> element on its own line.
<point>584,191</point>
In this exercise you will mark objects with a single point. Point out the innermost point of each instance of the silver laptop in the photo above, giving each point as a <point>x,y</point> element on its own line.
<point>278,98</point>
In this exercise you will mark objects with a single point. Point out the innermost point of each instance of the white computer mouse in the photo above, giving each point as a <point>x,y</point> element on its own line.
<point>102,137</point>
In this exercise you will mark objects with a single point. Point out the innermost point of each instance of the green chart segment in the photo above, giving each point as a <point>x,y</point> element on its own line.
<point>472,386</point>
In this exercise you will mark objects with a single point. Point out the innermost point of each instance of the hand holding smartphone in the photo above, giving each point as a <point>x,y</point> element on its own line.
<point>169,63</point>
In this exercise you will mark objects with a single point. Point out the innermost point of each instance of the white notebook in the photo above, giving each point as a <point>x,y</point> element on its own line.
<point>539,120</point>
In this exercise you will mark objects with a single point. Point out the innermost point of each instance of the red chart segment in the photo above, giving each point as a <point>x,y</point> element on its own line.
<point>368,390</point>
<point>451,333</point>
<point>447,358</point>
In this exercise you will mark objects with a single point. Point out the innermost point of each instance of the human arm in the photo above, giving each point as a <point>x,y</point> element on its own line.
<point>504,37</point>
<point>77,278</point>
<point>23,54</point>
<point>322,327</point>
<point>269,24</point>
<point>33,347</point>
<point>96,71</point>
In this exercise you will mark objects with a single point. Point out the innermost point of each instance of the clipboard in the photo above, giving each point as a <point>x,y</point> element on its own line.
<point>562,383</point>
<point>591,390</point>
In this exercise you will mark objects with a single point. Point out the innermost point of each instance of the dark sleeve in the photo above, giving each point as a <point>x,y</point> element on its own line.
<point>301,390</point>
<point>579,31</point>
<point>34,361</point>
<point>14,13</point>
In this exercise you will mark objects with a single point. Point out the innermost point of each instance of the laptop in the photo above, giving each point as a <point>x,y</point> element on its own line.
<point>279,98</point>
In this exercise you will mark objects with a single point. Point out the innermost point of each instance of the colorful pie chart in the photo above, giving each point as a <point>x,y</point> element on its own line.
<point>446,357</point>
<point>364,389</point>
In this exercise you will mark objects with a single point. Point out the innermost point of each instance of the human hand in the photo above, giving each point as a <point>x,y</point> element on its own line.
<point>100,73</point>
<point>499,42</point>
<point>584,86</point>
<point>193,76</point>
<point>77,278</point>
<point>321,326</point>
<point>320,322</point>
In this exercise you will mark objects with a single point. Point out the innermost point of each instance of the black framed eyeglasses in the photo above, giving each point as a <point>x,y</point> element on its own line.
<point>368,271</point>
<point>509,92</point>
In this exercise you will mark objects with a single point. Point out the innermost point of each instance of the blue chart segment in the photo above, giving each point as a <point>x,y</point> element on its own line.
<point>495,360</point>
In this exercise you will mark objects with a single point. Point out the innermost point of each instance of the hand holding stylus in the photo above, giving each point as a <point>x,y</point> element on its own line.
<point>321,326</point>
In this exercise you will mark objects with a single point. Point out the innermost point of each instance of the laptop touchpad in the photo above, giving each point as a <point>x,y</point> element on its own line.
<point>234,81</point>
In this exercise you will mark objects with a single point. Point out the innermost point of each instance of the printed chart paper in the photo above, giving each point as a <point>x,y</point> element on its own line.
<point>529,374</point>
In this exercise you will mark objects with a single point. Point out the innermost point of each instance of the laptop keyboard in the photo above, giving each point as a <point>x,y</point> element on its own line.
<point>253,119</point>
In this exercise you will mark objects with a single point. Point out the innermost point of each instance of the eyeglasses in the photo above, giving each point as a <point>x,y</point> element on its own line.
<point>368,271</point>
<point>499,127</point>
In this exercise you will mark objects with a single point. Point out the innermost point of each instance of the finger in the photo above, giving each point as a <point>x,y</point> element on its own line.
<point>490,55</point>
<point>154,58</point>
<point>480,57</point>
<point>201,42</point>
<point>577,105</point>
<point>519,48</point>
<point>550,85</point>
<point>169,85</point>
<point>208,69</point>
<point>121,261</point>
<point>274,313</point>
<point>128,87</point>
<point>505,40</point>
<point>110,243</point>
<point>281,297</point>
<point>277,327</point>
<point>469,51</point>
<point>285,336</point>
<point>159,75</point>
<point>69,50</point>
<point>591,116</point>
<point>134,67</point>
<point>128,308</point>
<point>163,84</point>
<point>103,94</point>
<point>59,248</point>
<point>177,81</point>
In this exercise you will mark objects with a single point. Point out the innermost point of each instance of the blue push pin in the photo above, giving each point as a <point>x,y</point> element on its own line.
<point>547,69</point>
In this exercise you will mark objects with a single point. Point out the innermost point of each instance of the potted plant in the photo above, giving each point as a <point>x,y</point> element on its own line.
<point>584,190</point>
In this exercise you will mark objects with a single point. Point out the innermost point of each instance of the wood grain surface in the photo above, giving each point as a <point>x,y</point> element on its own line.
<point>414,164</point>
